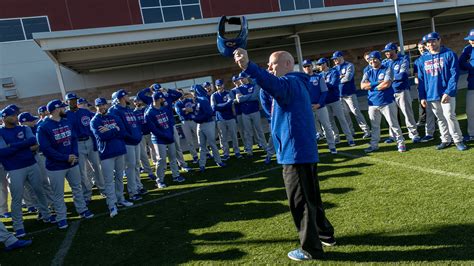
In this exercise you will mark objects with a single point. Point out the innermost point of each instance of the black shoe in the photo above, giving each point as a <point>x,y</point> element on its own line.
<point>327,241</point>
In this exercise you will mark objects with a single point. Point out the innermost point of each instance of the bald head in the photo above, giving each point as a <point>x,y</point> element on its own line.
<point>281,63</point>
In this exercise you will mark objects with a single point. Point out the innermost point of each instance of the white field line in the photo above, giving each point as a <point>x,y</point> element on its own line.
<point>66,244</point>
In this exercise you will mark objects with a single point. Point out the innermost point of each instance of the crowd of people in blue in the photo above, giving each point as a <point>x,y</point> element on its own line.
<point>101,144</point>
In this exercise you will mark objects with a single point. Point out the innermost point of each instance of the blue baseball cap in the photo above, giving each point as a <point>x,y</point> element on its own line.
<point>26,117</point>
<point>337,54</point>
<point>226,47</point>
<point>155,86</point>
<point>219,82</point>
<point>235,78</point>
<point>82,101</point>
<point>432,36</point>
<point>375,54</point>
<point>470,36</point>
<point>243,75</point>
<point>7,111</point>
<point>307,62</point>
<point>322,61</point>
<point>42,109</point>
<point>206,84</point>
<point>158,95</point>
<point>119,94</point>
<point>54,104</point>
<point>390,47</point>
<point>100,101</point>
<point>70,96</point>
<point>15,107</point>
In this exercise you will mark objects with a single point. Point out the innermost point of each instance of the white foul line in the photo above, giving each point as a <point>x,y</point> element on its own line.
<point>66,244</point>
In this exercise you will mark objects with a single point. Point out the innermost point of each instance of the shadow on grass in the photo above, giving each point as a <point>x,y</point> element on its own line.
<point>452,242</point>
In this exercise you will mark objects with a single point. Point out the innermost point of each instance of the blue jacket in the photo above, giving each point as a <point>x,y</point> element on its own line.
<point>221,103</point>
<point>232,94</point>
<point>332,83</point>
<point>374,76</point>
<point>180,106</point>
<point>203,110</point>
<point>466,63</point>
<point>80,121</point>
<point>266,100</point>
<point>110,143</point>
<point>15,146</point>
<point>140,114</point>
<point>161,124</point>
<point>249,99</point>
<point>292,117</point>
<point>132,129</point>
<point>347,84</point>
<point>400,69</point>
<point>319,90</point>
<point>438,75</point>
<point>57,141</point>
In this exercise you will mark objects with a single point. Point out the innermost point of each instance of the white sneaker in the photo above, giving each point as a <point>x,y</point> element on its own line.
<point>113,212</point>
<point>161,185</point>
<point>125,203</point>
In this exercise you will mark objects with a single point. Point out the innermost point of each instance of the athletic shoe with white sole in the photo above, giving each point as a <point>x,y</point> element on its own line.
<point>443,145</point>
<point>113,212</point>
<point>426,138</point>
<point>333,151</point>
<point>87,214</point>
<point>371,149</point>
<point>327,241</point>
<point>299,255</point>
<point>179,179</point>
<point>402,148</point>
<point>461,146</point>
<point>124,203</point>
<point>18,244</point>
<point>62,224</point>
<point>20,233</point>
<point>161,185</point>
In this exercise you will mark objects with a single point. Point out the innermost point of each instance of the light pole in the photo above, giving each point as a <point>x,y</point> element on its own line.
<point>399,27</point>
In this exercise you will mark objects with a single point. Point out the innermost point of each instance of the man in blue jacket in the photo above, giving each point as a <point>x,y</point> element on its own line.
<point>139,111</point>
<point>17,144</point>
<point>298,151</point>
<point>466,63</point>
<point>378,82</point>
<point>236,108</point>
<point>247,95</point>
<point>184,109</point>
<point>132,136</point>
<point>221,104</point>
<point>438,81</point>
<point>109,133</point>
<point>80,119</point>
<point>160,120</point>
<point>400,66</point>
<point>348,92</point>
<point>333,101</point>
<point>206,128</point>
<point>59,145</point>
<point>318,94</point>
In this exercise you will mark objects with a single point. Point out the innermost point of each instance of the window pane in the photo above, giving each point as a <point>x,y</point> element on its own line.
<point>172,13</point>
<point>187,2</point>
<point>302,4</point>
<point>192,12</point>
<point>170,2</point>
<point>33,25</point>
<point>149,3</point>
<point>10,30</point>
<point>152,15</point>
<point>317,3</point>
<point>287,5</point>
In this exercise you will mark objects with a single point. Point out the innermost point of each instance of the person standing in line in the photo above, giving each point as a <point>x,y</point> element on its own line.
<point>466,62</point>
<point>184,108</point>
<point>139,111</point>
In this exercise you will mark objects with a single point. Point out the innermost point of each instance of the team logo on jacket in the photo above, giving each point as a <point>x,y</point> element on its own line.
<point>85,120</point>
<point>315,81</point>
<point>163,120</point>
<point>343,71</point>
<point>20,135</point>
<point>189,105</point>
<point>433,67</point>
<point>381,76</point>
<point>62,135</point>
<point>110,123</point>
<point>396,67</point>
<point>131,119</point>
<point>225,98</point>
<point>250,89</point>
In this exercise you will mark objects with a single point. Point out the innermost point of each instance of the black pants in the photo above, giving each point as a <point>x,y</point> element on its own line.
<point>304,197</point>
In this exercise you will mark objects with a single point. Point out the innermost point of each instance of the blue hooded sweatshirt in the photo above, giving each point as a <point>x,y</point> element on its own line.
<point>161,122</point>
<point>347,84</point>
<point>266,100</point>
<point>132,130</point>
<point>181,105</point>
<point>374,76</point>
<point>466,63</point>
<point>332,83</point>
<point>203,110</point>
<point>319,90</point>
<point>232,94</point>
<point>292,119</point>
<point>15,146</point>
<point>221,103</point>
<point>110,143</point>
<point>140,114</point>
<point>438,75</point>
<point>80,121</point>
<point>400,69</point>
<point>249,99</point>
<point>57,141</point>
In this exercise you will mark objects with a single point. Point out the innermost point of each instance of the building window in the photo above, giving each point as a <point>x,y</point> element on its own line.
<point>156,11</point>
<point>20,29</point>
<point>286,5</point>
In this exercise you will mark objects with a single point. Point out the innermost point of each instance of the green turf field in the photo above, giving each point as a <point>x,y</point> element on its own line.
<point>387,207</point>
